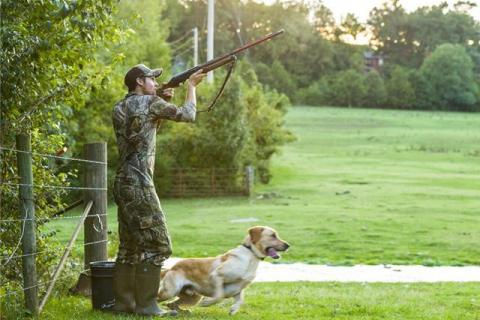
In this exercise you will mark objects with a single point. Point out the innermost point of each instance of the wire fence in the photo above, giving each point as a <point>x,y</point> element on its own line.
<point>205,182</point>
<point>11,279</point>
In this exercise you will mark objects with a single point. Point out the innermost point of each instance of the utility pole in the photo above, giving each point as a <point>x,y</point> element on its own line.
<point>195,46</point>
<point>210,30</point>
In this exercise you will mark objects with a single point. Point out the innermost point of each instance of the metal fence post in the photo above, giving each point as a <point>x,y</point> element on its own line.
<point>27,211</point>
<point>249,180</point>
<point>95,227</point>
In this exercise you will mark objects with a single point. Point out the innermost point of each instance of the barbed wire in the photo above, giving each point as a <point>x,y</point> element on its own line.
<point>52,218</point>
<point>49,186</point>
<point>21,237</point>
<point>52,156</point>
<point>40,284</point>
<point>52,250</point>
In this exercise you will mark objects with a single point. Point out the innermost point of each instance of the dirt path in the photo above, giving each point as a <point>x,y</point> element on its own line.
<point>269,272</point>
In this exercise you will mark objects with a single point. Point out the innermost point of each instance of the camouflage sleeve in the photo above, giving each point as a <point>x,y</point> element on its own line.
<point>161,109</point>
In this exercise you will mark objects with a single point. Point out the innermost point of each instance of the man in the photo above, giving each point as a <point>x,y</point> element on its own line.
<point>144,239</point>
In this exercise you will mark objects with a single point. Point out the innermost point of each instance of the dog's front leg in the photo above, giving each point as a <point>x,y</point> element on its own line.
<point>217,283</point>
<point>238,301</point>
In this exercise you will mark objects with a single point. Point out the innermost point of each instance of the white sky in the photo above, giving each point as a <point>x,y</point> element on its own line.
<point>361,8</point>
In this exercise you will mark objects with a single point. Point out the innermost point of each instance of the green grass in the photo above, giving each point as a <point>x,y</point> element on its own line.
<point>358,186</point>
<point>319,301</point>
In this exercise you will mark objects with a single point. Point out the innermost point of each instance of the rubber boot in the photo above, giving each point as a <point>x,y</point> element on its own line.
<point>147,283</point>
<point>124,288</point>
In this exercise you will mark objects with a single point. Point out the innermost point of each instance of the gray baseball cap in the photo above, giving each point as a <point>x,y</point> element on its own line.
<point>140,70</point>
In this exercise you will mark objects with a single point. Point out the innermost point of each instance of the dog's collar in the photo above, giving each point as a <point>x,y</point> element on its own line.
<point>250,248</point>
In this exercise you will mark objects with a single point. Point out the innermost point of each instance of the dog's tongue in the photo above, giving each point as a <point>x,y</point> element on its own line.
<point>272,253</point>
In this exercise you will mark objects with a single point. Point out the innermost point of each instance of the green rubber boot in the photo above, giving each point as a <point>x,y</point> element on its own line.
<point>124,288</point>
<point>147,282</point>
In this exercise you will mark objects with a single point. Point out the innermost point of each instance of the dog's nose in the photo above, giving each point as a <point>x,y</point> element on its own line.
<point>287,246</point>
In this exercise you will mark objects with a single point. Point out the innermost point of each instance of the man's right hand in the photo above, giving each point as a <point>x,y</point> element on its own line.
<point>196,78</point>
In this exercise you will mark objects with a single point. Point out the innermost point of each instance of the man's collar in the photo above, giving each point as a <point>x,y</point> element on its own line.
<point>131,93</point>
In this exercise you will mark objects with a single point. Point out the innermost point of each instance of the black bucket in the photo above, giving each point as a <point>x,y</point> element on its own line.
<point>102,284</point>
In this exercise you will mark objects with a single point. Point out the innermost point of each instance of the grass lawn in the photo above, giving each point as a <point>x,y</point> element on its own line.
<point>319,301</point>
<point>358,186</point>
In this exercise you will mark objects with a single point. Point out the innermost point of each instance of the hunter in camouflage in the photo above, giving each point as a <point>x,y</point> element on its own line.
<point>144,239</point>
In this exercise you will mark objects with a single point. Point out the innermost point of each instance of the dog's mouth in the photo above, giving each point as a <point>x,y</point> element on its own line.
<point>271,252</point>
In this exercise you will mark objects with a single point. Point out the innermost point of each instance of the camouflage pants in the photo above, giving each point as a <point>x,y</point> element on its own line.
<point>141,225</point>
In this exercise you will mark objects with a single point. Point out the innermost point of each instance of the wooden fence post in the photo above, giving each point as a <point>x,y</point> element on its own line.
<point>95,227</point>
<point>249,180</point>
<point>27,212</point>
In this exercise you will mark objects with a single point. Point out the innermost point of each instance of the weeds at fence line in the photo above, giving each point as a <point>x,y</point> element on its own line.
<point>12,290</point>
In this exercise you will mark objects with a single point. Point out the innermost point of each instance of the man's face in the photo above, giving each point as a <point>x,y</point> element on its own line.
<point>147,84</point>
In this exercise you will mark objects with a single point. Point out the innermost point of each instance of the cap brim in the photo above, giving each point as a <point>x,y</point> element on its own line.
<point>156,72</point>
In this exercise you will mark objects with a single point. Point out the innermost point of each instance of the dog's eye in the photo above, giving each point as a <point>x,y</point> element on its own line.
<point>274,236</point>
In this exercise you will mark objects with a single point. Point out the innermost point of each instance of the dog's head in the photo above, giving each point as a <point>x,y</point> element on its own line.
<point>265,242</point>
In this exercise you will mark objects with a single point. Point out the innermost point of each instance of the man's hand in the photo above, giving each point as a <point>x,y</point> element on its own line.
<point>196,78</point>
<point>166,94</point>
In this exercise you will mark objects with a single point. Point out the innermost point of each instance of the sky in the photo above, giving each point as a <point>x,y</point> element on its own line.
<point>362,8</point>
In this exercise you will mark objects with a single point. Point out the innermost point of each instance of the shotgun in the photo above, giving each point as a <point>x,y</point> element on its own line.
<point>215,63</point>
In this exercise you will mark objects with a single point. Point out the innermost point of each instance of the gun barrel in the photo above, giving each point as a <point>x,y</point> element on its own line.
<point>179,78</point>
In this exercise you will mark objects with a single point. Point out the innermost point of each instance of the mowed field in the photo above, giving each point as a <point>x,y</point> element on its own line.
<point>358,186</point>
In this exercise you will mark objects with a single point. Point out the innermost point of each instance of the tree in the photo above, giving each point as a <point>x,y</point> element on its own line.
<point>408,38</point>
<point>145,42</point>
<point>449,70</point>
<point>401,94</point>
<point>347,88</point>
<point>351,26</point>
<point>315,95</point>
<point>388,25</point>
<point>48,68</point>
<point>276,77</point>
<point>376,94</point>
<point>246,128</point>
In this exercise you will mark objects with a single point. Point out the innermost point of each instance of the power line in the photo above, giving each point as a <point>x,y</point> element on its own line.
<point>185,44</point>
<point>181,38</point>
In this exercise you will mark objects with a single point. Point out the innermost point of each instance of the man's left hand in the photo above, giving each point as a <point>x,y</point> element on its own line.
<point>166,94</point>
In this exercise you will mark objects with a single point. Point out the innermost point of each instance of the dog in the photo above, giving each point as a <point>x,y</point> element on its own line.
<point>221,277</point>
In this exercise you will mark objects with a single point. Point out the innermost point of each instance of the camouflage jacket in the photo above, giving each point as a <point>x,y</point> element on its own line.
<point>135,120</point>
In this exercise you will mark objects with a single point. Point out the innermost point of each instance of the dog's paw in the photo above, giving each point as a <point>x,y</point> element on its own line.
<point>233,310</point>
<point>175,307</point>
<point>206,302</point>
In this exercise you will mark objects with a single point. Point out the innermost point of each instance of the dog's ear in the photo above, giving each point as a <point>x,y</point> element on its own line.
<point>255,234</point>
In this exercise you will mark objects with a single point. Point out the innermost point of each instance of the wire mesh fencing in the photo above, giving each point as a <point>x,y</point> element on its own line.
<point>33,250</point>
<point>205,182</point>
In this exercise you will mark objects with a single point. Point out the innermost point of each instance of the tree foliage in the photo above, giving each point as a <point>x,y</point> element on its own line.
<point>408,38</point>
<point>449,73</point>
<point>401,94</point>
<point>376,93</point>
<point>48,68</point>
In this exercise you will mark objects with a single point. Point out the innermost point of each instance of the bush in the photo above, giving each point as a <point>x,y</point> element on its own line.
<point>449,72</point>
<point>376,94</point>
<point>314,95</point>
<point>347,88</point>
<point>401,94</point>
<point>245,128</point>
